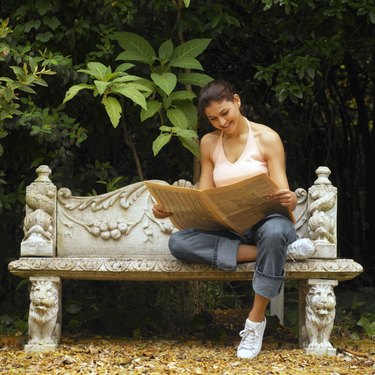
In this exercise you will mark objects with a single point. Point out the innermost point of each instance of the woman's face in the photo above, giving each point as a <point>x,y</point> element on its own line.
<point>225,115</point>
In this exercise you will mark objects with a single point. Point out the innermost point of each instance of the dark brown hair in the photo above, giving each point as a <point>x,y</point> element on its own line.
<point>215,91</point>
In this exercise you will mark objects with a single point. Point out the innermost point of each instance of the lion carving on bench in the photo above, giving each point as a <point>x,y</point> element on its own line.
<point>320,315</point>
<point>43,314</point>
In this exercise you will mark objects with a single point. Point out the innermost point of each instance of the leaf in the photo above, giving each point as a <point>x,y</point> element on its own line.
<point>190,112</point>
<point>113,108</point>
<point>192,48</point>
<point>33,24</point>
<point>296,91</point>
<point>44,37</point>
<point>43,6</point>
<point>160,142</point>
<point>127,78</point>
<point>109,76</point>
<point>197,79</point>
<point>38,161</point>
<point>168,129</point>
<point>134,42</point>
<point>74,90</point>
<point>8,94</point>
<point>182,95</point>
<point>191,144</point>
<point>185,133</point>
<point>52,22</point>
<point>310,72</point>
<point>131,93</point>
<point>101,86</point>
<point>166,81</point>
<point>124,67</point>
<point>165,50</point>
<point>186,63</point>
<point>177,118</point>
<point>186,3</point>
<point>27,89</point>
<point>153,106</point>
<point>97,70</point>
<point>144,84</point>
<point>132,56</point>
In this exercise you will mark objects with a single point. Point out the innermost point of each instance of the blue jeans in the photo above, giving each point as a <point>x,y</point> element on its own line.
<point>219,249</point>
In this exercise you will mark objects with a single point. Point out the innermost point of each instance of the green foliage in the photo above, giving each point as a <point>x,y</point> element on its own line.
<point>355,309</point>
<point>368,324</point>
<point>107,83</point>
<point>159,85</point>
<point>27,76</point>
<point>13,325</point>
<point>167,99</point>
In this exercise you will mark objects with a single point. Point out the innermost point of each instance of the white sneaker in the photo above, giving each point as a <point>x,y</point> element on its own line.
<point>302,248</point>
<point>252,338</point>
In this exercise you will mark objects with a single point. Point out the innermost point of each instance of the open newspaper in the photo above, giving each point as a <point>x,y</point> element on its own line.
<point>237,207</point>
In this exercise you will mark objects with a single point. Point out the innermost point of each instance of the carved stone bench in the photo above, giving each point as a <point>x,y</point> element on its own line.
<point>114,236</point>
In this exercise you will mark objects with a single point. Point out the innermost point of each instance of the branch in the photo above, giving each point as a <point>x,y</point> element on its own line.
<point>129,142</point>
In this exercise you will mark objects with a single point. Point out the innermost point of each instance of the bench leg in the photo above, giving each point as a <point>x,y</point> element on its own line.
<point>44,314</point>
<point>316,321</point>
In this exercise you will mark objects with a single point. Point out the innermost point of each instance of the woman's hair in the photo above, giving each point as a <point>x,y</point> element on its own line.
<point>215,91</point>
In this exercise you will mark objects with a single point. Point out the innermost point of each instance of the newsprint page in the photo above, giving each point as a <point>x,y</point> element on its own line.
<point>236,207</point>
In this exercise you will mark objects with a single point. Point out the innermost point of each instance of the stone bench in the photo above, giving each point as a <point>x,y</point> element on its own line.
<point>114,236</point>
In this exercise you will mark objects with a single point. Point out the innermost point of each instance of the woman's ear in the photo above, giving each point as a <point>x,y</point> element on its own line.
<point>237,100</point>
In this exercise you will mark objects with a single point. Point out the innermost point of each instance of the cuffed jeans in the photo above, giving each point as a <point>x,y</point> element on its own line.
<point>219,249</point>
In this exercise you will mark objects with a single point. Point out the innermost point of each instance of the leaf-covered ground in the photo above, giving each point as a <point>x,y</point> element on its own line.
<point>111,356</point>
<point>210,348</point>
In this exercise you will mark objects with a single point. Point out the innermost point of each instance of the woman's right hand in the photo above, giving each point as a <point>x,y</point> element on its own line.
<point>159,213</point>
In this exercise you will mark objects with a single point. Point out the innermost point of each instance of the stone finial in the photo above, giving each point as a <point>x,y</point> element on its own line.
<point>323,176</point>
<point>40,221</point>
<point>322,203</point>
<point>43,172</point>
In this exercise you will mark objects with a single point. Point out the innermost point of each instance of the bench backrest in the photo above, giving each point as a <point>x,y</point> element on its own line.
<point>121,224</point>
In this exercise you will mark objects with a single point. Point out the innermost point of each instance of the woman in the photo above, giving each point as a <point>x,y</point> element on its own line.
<point>235,150</point>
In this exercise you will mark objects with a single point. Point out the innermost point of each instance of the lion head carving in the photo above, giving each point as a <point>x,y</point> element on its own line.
<point>320,314</point>
<point>44,310</point>
<point>43,300</point>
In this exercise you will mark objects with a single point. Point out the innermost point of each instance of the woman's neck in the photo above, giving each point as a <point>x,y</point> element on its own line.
<point>242,129</point>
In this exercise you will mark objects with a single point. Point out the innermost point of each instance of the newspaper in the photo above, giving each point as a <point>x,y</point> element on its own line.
<point>236,207</point>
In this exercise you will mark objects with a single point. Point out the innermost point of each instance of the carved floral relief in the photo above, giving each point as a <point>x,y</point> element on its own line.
<point>116,227</point>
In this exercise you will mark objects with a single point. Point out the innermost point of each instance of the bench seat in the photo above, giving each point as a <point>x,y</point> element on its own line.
<point>174,270</point>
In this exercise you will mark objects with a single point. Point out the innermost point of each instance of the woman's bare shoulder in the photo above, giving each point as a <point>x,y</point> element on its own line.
<point>264,133</point>
<point>210,138</point>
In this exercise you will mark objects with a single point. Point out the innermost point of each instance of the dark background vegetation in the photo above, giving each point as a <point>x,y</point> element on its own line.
<point>305,68</point>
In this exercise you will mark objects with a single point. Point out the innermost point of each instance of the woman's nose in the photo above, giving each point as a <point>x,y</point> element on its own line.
<point>222,121</point>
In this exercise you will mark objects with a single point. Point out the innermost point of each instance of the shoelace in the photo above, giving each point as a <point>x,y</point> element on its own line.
<point>250,335</point>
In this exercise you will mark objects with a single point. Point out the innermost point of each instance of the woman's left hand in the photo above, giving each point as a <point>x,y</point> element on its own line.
<point>286,198</point>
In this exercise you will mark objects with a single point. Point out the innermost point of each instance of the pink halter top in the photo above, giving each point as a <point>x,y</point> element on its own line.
<point>250,163</point>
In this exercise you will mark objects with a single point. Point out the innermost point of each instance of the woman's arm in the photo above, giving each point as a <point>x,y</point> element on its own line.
<point>273,150</point>
<point>206,180</point>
